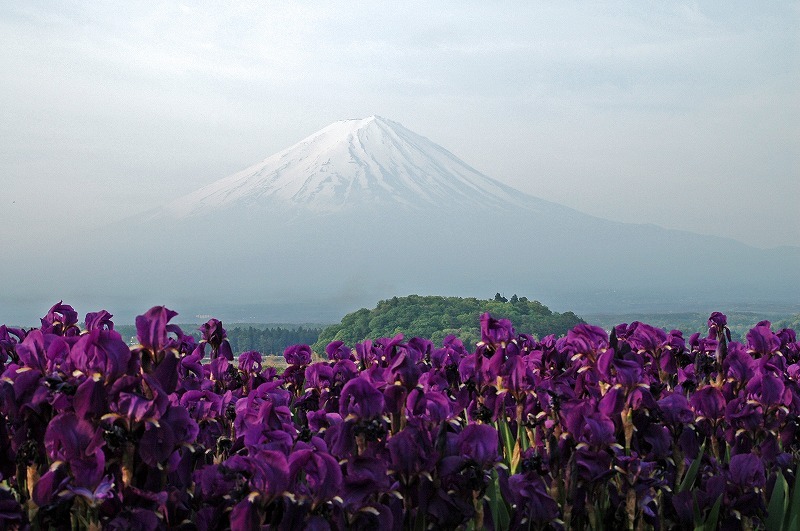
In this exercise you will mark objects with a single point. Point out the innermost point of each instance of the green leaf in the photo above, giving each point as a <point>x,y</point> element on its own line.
<point>497,505</point>
<point>778,503</point>
<point>711,522</point>
<point>522,438</point>
<point>691,474</point>
<point>698,516</point>
<point>508,442</point>
<point>794,506</point>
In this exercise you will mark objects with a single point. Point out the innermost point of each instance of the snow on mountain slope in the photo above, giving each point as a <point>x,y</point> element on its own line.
<point>352,164</point>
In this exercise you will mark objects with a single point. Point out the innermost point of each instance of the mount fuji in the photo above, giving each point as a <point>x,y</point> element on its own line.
<point>366,209</point>
<point>370,163</point>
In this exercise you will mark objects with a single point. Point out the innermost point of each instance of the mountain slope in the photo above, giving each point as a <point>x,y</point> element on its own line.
<point>365,210</point>
<point>371,162</point>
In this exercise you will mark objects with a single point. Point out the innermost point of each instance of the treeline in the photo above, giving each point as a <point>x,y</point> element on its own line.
<point>270,341</point>
<point>266,339</point>
<point>436,317</point>
<point>739,323</point>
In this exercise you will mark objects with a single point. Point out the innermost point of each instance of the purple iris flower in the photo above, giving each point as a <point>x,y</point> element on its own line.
<point>174,429</point>
<point>99,321</point>
<point>361,400</point>
<point>718,326</point>
<point>496,332</point>
<point>479,443</point>
<point>250,361</point>
<point>140,406</point>
<point>529,496</point>
<point>268,472</point>
<point>433,406</point>
<point>708,402</point>
<point>411,452</point>
<point>365,479</point>
<point>214,334</point>
<point>9,338</point>
<point>51,484</point>
<point>586,339</point>
<point>77,442</point>
<point>61,320</point>
<point>321,478</point>
<point>768,389</point>
<point>739,364</point>
<point>675,409</point>
<point>746,471</point>
<point>100,351</point>
<point>152,328</point>
<point>96,496</point>
<point>319,376</point>
<point>337,351</point>
<point>404,369</point>
<point>297,355</point>
<point>762,342</point>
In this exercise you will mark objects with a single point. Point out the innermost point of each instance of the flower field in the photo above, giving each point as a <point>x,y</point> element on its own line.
<point>633,429</point>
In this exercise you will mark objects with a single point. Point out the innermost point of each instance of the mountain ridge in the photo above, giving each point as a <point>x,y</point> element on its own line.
<point>254,238</point>
<point>352,162</point>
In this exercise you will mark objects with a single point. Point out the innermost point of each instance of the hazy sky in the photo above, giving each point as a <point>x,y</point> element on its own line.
<point>682,114</point>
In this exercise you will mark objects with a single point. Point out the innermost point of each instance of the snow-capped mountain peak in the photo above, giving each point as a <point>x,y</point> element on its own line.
<point>357,163</point>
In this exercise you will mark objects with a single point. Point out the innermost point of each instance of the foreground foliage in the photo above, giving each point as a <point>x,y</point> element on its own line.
<point>636,429</point>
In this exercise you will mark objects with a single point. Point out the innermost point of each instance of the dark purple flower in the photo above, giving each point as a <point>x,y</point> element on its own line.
<point>267,472</point>
<point>91,398</point>
<point>100,351</point>
<point>9,338</point>
<point>434,406</point>
<point>337,351</point>
<point>321,480</point>
<point>139,407</point>
<point>762,341</point>
<point>479,443</point>
<point>297,355</point>
<point>585,340</point>
<point>99,321</point>
<point>647,338</point>
<point>42,352</point>
<point>61,320</point>
<point>529,494</point>
<point>496,332</point>
<point>739,364</point>
<point>152,328</point>
<point>135,519</point>
<point>214,334</point>
<point>767,388</point>
<point>708,402</point>
<point>250,361</point>
<point>94,496</point>
<point>51,484</point>
<point>717,325</point>
<point>360,399</point>
<point>365,480</point>
<point>747,471</point>
<point>411,452</point>
<point>404,370</point>
<point>246,514</point>
<point>675,409</point>
<point>76,441</point>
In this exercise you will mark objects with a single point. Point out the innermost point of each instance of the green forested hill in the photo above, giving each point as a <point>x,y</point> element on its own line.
<point>436,317</point>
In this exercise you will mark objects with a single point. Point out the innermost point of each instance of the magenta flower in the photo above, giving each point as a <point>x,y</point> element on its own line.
<point>214,334</point>
<point>61,320</point>
<point>496,332</point>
